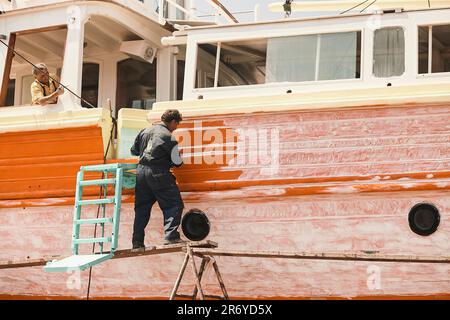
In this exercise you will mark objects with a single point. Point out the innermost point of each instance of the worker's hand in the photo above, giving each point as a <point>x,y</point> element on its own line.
<point>60,90</point>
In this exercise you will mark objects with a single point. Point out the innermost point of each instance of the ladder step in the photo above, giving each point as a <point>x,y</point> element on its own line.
<point>97,182</point>
<point>96,201</point>
<point>109,167</point>
<point>92,240</point>
<point>93,221</point>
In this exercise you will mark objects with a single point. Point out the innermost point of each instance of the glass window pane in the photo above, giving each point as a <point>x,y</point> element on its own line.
<point>206,62</point>
<point>89,84</point>
<point>180,78</point>
<point>242,63</point>
<point>10,93</point>
<point>389,52</point>
<point>423,49</point>
<point>136,84</point>
<point>441,49</point>
<point>339,56</point>
<point>291,59</point>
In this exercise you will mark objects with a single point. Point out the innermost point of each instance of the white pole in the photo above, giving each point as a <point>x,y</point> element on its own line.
<point>316,77</point>
<point>430,48</point>
<point>216,72</point>
<point>161,19</point>
<point>191,7</point>
<point>176,5</point>
<point>256,12</point>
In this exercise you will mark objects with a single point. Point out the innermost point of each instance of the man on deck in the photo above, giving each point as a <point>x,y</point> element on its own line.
<point>44,90</point>
<point>158,153</point>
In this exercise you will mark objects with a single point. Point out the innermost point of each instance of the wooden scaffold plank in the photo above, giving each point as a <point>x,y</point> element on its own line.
<point>363,256</point>
<point>124,253</point>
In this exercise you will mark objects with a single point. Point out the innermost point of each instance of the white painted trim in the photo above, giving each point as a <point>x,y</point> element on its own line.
<point>430,48</point>
<point>316,69</point>
<point>216,70</point>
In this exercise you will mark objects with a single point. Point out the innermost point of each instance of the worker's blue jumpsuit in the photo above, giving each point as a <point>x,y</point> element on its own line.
<point>158,152</point>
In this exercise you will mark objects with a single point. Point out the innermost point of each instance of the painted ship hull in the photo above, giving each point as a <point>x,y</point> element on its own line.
<point>345,182</point>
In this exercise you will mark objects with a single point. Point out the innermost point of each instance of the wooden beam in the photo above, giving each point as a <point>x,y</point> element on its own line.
<point>161,249</point>
<point>363,256</point>
<point>112,30</point>
<point>39,30</point>
<point>30,57</point>
<point>126,253</point>
<point>98,37</point>
<point>48,44</point>
<point>10,264</point>
<point>31,49</point>
<point>7,69</point>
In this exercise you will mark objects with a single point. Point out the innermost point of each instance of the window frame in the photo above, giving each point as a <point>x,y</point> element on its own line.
<point>100,78</point>
<point>12,38</point>
<point>405,58</point>
<point>430,57</point>
<point>278,84</point>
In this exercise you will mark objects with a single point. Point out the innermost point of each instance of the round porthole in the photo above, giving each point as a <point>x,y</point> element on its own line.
<point>195,225</point>
<point>424,219</point>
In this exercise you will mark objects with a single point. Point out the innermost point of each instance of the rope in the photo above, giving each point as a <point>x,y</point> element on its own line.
<point>345,11</point>
<point>368,5</point>
<point>59,83</point>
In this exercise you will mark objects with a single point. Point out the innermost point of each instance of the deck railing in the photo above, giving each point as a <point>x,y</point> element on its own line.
<point>171,9</point>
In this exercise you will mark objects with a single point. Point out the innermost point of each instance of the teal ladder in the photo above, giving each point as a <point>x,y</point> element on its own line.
<point>121,176</point>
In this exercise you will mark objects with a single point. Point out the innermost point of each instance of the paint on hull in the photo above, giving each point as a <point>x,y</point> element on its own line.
<point>345,182</point>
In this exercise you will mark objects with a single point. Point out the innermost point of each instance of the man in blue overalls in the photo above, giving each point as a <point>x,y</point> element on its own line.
<point>158,152</point>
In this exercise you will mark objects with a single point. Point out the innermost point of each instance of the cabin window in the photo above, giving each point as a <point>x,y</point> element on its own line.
<point>206,61</point>
<point>231,63</point>
<point>136,84</point>
<point>388,52</point>
<point>242,63</point>
<point>283,59</point>
<point>89,84</point>
<point>314,57</point>
<point>434,49</point>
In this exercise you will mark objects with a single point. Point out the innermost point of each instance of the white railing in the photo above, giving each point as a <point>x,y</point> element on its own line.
<point>163,9</point>
<point>188,10</point>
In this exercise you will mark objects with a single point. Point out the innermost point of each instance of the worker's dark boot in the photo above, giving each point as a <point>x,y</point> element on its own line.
<point>138,247</point>
<point>175,241</point>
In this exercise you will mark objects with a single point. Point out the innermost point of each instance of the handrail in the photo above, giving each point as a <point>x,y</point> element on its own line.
<point>215,4</point>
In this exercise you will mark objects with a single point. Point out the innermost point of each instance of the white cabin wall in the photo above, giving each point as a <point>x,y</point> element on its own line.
<point>107,77</point>
<point>190,70</point>
<point>366,23</point>
<point>166,74</point>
